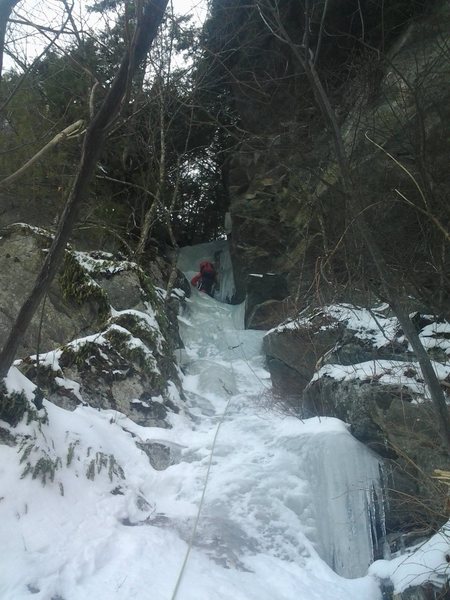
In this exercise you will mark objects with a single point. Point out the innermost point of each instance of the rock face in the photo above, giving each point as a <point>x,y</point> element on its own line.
<point>123,290</point>
<point>264,301</point>
<point>128,367</point>
<point>288,211</point>
<point>22,251</point>
<point>355,364</point>
<point>301,347</point>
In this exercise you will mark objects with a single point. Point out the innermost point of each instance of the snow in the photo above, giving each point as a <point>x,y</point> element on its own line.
<point>103,263</point>
<point>69,384</point>
<point>377,331</point>
<point>370,325</point>
<point>16,382</point>
<point>384,372</point>
<point>436,335</point>
<point>285,499</point>
<point>427,562</point>
<point>148,317</point>
<point>134,343</point>
<point>148,320</point>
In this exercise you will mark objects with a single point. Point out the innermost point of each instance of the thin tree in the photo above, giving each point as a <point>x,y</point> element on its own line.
<point>149,14</point>
<point>6,8</point>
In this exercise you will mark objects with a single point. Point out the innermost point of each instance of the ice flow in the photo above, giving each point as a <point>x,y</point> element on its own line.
<point>278,485</point>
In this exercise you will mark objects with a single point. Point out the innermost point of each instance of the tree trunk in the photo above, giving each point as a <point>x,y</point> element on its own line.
<point>148,21</point>
<point>6,7</point>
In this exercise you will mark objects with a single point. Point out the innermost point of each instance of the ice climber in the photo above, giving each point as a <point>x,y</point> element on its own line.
<point>206,280</point>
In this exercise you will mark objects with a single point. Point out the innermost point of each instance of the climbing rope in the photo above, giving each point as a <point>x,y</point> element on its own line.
<point>239,345</point>
<point>205,485</point>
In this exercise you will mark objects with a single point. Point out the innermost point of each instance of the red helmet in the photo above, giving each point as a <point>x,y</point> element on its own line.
<point>207,266</point>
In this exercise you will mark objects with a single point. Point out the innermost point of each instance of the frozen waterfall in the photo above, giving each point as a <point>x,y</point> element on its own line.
<point>278,486</point>
<point>282,509</point>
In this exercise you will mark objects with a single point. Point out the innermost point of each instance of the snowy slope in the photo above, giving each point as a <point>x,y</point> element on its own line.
<point>283,497</point>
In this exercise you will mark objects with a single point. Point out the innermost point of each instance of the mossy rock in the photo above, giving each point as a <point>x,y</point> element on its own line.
<point>72,308</point>
<point>77,286</point>
<point>139,328</point>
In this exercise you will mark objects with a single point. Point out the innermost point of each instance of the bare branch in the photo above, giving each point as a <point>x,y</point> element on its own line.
<point>67,133</point>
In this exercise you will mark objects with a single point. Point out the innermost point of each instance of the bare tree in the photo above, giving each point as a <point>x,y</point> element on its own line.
<point>149,14</point>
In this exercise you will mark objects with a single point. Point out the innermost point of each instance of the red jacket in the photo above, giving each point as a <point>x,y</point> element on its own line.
<point>205,265</point>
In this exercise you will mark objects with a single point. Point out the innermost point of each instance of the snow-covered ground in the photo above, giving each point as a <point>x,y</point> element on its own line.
<point>282,499</point>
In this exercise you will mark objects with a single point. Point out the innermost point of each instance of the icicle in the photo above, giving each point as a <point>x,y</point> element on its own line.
<point>345,476</point>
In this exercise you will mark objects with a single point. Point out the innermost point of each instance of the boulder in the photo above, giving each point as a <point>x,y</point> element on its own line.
<point>63,315</point>
<point>299,344</point>
<point>335,334</point>
<point>128,367</point>
<point>128,363</point>
<point>266,302</point>
<point>267,315</point>
<point>161,454</point>
<point>123,290</point>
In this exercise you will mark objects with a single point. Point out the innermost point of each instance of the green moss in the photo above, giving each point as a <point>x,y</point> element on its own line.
<point>163,322</point>
<point>80,356</point>
<point>139,328</point>
<point>118,339</point>
<point>148,288</point>
<point>26,452</point>
<point>120,342</point>
<point>44,373</point>
<point>77,286</point>
<point>90,473</point>
<point>71,452</point>
<point>114,469</point>
<point>154,300</point>
<point>13,406</point>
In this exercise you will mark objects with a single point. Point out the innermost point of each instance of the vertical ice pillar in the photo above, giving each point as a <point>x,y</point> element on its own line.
<point>345,483</point>
<point>226,277</point>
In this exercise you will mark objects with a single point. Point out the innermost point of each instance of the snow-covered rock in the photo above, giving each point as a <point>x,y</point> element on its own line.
<point>355,364</point>
<point>126,366</point>
<point>126,362</point>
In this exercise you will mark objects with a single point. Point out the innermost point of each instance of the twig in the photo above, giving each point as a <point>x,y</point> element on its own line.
<point>67,133</point>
